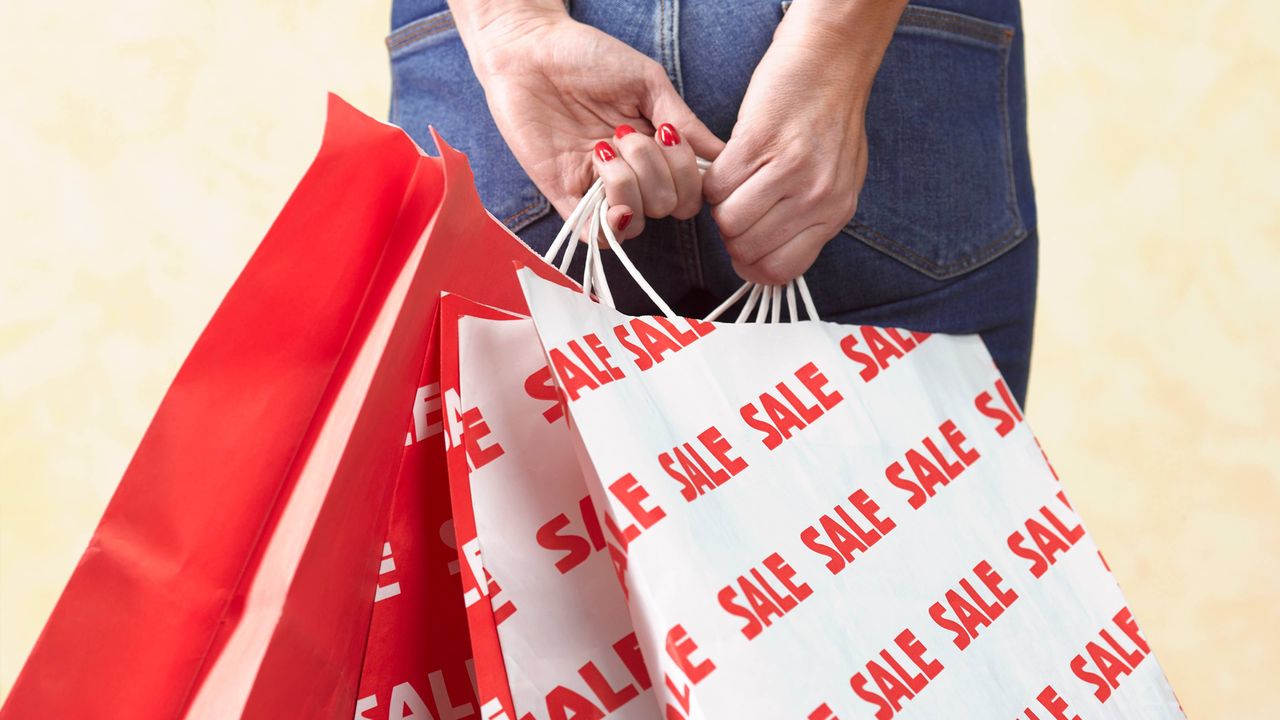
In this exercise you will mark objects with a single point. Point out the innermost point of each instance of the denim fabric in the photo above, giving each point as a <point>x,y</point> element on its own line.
<point>943,240</point>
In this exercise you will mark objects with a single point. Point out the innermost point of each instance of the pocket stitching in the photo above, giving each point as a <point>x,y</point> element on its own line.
<point>910,257</point>
<point>964,27</point>
<point>420,29</point>
<point>526,215</point>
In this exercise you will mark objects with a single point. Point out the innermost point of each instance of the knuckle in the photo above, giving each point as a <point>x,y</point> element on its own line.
<point>816,195</point>
<point>738,251</point>
<point>849,209</point>
<point>773,270</point>
<point>661,203</point>
<point>687,209</point>
<point>653,72</point>
<point>714,192</point>
<point>725,221</point>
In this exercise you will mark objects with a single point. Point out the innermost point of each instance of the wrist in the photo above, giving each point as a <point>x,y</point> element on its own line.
<point>488,26</point>
<point>844,39</point>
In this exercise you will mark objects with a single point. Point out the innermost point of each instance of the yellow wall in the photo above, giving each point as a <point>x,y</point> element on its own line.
<point>145,146</point>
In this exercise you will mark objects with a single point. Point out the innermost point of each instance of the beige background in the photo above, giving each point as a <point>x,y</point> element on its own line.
<point>145,146</point>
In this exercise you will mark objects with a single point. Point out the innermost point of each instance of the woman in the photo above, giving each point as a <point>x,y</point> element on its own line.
<point>876,148</point>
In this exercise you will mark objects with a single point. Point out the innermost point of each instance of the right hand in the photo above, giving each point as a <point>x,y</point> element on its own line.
<point>556,87</point>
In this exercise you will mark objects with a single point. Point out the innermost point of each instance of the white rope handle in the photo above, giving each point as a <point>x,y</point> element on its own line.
<point>590,219</point>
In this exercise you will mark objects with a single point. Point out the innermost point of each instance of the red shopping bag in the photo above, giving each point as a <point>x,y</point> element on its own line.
<point>228,574</point>
<point>418,659</point>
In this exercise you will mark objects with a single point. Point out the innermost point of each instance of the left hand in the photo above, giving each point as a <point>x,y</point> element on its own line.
<point>789,177</point>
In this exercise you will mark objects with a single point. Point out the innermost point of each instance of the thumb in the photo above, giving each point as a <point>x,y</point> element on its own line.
<point>666,106</point>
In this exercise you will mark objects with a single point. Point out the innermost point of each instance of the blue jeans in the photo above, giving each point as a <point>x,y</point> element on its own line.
<point>944,238</point>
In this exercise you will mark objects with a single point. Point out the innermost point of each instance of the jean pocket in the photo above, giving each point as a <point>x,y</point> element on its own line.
<point>939,194</point>
<point>432,84</point>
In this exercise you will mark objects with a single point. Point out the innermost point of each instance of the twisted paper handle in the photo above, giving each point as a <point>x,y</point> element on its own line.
<point>589,220</point>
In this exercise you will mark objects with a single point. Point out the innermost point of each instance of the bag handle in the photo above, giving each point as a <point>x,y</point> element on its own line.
<point>589,220</point>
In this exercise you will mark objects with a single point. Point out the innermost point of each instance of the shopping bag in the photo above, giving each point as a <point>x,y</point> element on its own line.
<point>837,521</point>
<point>228,575</point>
<point>550,629</point>
<point>418,654</point>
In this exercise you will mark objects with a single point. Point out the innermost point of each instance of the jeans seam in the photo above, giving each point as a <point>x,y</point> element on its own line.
<point>1011,197</point>
<point>686,236</point>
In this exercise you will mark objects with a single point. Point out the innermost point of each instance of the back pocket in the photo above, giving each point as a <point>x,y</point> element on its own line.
<point>939,194</point>
<point>432,83</point>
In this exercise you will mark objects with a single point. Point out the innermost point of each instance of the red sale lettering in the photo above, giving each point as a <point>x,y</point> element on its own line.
<point>650,345</point>
<point>681,649</point>
<point>695,474</point>
<point>1052,538</point>
<point>894,684</point>
<point>576,548</point>
<point>931,467</point>
<point>786,412</point>
<point>428,413</point>
<point>766,597</point>
<point>684,337</point>
<point>845,535</point>
<point>601,374</point>
<point>407,702</point>
<point>653,341</point>
<point>1006,414</point>
<point>1104,664</point>
<point>624,536</point>
<point>502,609</point>
<point>540,386</point>
<point>1052,704</point>
<point>573,379</point>
<point>602,354</point>
<point>618,557</point>
<point>610,698</point>
<point>589,368</point>
<point>606,696</point>
<point>632,496</point>
<point>823,712</point>
<point>966,610</point>
<point>628,651</point>
<point>474,430</point>
<point>563,704</point>
<point>884,344</point>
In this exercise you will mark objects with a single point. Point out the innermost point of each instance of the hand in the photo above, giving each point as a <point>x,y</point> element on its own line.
<point>789,177</point>
<point>556,87</point>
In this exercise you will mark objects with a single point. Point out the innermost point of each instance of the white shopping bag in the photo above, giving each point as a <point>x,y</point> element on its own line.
<point>826,521</point>
<point>550,630</point>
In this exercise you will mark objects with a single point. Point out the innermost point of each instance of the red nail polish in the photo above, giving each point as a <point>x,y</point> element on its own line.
<point>624,221</point>
<point>622,130</point>
<point>604,151</point>
<point>667,135</point>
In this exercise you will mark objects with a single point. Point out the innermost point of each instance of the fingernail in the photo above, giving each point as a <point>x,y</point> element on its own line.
<point>624,221</point>
<point>604,151</point>
<point>622,130</point>
<point>667,135</point>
